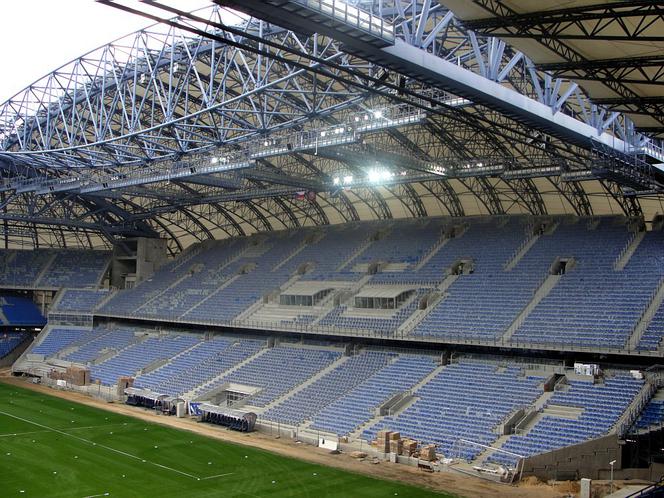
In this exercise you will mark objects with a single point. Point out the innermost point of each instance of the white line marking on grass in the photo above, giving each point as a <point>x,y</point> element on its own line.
<point>96,496</point>
<point>98,444</point>
<point>63,430</point>
<point>218,475</point>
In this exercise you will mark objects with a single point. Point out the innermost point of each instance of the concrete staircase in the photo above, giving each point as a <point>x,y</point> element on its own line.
<point>164,363</point>
<point>47,266</point>
<point>416,387</point>
<point>24,363</point>
<point>226,283</point>
<point>294,253</point>
<point>658,396</point>
<point>56,301</point>
<point>418,315</point>
<point>440,243</point>
<point>496,445</point>
<point>103,302</point>
<point>520,252</point>
<point>633,411</point>
<point>161,293</point>
<point>549,283</point>
<point>300,387</point>
<point>646,318</point>
<point>202,390</point>
<point>189,253</point>
<point>363,247</point>
<point>627,252</point>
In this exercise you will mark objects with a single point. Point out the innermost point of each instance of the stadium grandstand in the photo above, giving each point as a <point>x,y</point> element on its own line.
<point>431,232</point>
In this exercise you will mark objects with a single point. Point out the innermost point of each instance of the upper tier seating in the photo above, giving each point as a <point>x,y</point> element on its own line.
<point>82,300</point>
<point>406,242</point>
<point>10,341</point>
<point>52,268</point>
<point>76,269</point>
<point>591,305</point>
<point>21,311</point>
<point>482,304</point>
<point>20,268</point>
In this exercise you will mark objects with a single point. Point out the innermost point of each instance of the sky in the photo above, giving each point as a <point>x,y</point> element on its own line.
<point>38,36</point>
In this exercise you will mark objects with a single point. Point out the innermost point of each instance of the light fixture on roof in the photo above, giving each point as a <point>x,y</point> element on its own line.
<point>378,175</point>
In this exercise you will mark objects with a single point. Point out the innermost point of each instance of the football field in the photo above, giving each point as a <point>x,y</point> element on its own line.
<point>50,447</point>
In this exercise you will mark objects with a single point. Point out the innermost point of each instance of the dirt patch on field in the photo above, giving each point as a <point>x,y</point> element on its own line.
<point>451,482</point>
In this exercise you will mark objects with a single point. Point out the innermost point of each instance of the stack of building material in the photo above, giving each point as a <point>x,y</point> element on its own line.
<point>383,441</point>
<point>78,376</point>
<point>428,453</point>
<point>409,447</point>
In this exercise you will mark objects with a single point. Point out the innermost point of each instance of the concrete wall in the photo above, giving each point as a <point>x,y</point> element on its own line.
<point>590,459</point>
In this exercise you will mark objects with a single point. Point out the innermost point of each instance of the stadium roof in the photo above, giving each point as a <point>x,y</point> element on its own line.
<point>614,50</point>
<point>194,129</point>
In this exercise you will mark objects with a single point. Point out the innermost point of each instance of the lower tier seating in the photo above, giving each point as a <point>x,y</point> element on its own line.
<point>317,386</point>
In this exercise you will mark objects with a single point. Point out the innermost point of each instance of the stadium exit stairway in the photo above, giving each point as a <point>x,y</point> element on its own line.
<point>357,433</point>
<point>199,392</point>
<point>299,387</point>
<point>647,317</point>
<point>418,315</point>
<point>547,285</point>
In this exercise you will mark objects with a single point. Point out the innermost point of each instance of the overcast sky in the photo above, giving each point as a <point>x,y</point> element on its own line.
<point>37,36</point>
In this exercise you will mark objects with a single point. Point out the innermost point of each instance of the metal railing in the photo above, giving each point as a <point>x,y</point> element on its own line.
<point>352,16</point>
<point>570,344</point>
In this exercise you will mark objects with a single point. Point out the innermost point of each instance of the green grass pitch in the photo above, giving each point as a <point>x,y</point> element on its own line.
<point>50,447</point>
